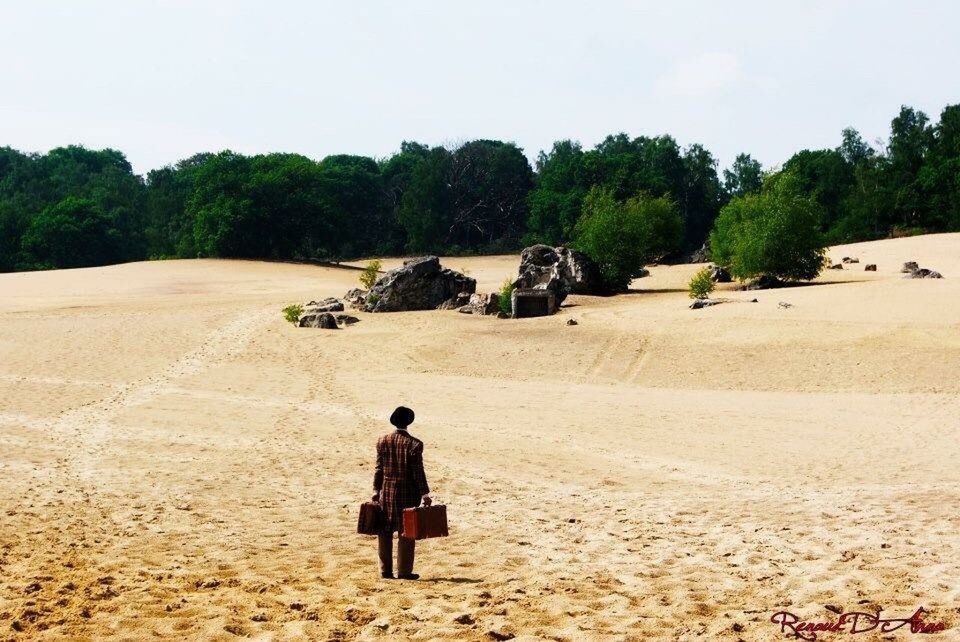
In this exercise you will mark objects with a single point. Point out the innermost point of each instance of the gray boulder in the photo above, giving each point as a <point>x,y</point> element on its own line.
<point>346,319</point>
<point>323,320</point>
<point>870,267</point>
<point>329,304</point>
<point>849,259</point>
<point>420,284</point>
<point>559,269</point>
<point>836,266</point>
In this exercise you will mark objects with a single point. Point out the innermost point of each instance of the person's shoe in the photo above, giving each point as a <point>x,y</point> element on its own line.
<point>408,576</point>
<point>386,576</point>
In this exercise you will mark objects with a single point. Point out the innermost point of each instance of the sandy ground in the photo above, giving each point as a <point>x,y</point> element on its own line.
<point>179,462</point>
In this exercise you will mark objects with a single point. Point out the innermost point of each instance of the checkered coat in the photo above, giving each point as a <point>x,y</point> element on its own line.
<point>399,476</point>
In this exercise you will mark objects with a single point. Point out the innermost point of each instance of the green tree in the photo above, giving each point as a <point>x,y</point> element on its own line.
<point>556,200</point>
<point>73,233</point>
<point>745,176</point>
<point>775,233</point>
<point>623,236</point>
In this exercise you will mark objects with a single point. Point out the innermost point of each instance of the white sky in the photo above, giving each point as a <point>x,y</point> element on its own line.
<point>163,80</point>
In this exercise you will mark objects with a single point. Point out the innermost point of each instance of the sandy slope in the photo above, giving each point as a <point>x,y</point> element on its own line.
<point>178,462</point>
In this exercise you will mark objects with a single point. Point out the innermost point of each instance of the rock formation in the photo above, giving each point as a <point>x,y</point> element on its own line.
<point>420,284</point>
<point>561,270</point>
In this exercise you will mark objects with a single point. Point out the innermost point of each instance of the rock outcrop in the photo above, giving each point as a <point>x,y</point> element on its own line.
<point>420,284</point>
<point>356,298</point>
<point>561,270</point>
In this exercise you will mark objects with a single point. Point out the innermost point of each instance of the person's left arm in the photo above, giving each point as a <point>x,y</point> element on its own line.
<point>378,474</point>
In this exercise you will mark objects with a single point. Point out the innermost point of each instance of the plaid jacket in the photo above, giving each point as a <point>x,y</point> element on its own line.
<point>399,476</point>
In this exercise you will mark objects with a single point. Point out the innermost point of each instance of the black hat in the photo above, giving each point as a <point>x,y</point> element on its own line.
<point>402,417</point>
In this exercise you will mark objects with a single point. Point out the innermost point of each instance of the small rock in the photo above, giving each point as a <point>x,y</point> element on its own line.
<point>870,267</point>
<point>500,635</point>
<point>834,609</point>
<point>259,617</point>
<point>704,303</point>
<point>329,304</point>
<point>836,266</point>
<point>720,275</point>
<point>466,618</point>
<point>754,301</point>
<point>296,606</point>
<point>738,627</point>
<point>571,322</point>
<point>502,315</point>
<point>849,259</point>
<point>346,319</point>
<point>909,266</point>
<point>784,305</point>
<point>32,588</point>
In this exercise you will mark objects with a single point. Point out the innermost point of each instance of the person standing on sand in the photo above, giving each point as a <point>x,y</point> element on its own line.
<point>399,482</point>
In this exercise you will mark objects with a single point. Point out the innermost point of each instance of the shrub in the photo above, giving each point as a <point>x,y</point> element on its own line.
<point>774,233</point>
<point>506,296</point>
<point>701,285</point>
<point>370,274</point>
<point>292,312</point>
<point>621,237</point>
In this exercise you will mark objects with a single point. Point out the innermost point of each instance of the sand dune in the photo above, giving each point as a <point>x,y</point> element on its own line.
<point>178,462</point>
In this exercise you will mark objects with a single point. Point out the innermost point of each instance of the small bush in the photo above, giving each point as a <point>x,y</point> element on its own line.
<point>292,313</point>
<point>506,296</point>
<point>701,285</point>
<point>370,274</point>
<point>373,299</point>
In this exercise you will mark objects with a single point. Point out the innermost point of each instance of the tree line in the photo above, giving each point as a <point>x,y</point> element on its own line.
<point>76,207</point>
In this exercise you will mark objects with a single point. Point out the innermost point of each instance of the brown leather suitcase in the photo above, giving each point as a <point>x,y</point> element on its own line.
<point>425,522</point>
<point>371,519</point>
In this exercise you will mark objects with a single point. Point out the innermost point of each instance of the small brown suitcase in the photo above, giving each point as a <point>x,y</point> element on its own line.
<point>371,519</point>
<point>425,522</point>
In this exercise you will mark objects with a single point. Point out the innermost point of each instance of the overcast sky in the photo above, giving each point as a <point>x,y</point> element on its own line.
<point>163,80</point>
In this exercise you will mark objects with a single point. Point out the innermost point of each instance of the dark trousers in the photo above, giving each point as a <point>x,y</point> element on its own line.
<point>405,551</point>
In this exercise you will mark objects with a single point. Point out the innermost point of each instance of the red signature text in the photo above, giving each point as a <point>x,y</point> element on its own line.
<point>853,622</point>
